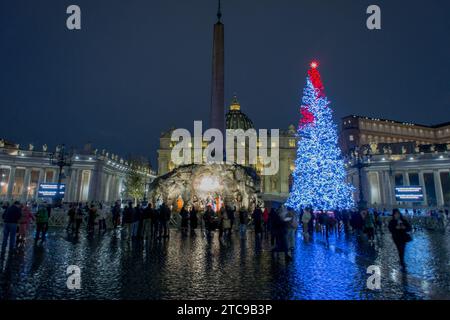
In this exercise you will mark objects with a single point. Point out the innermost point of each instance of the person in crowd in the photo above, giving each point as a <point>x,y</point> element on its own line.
<point>292,226</point>
<point>164,219</point>
<point>146,223</point>
<point>311,224</point>
<point>265,220</point>
<point>92,216</point>
<point>193,220</point>
<point>324,221</point>
<point>378,221</point>
<point>208,217</point>
<point>79,218</point>
<point>220,216</point>
<point>346,220</point>
<point>135,222</point>
<point>338,221</point>
<point>257,218</point>
<point>71,213</point>
<point>369,226</point>
<point>243,221</point>
<point>5,206</point>
<point>232,216</point>
<point>184,214</point>
<point>306,218</point>
<point>116,214</point>
<point>332,223</point>
<point>41,224</point>
<point>273,217</point>
<point>281,223</point>
<point>24,224</point>
<point>226,222</point>
<point>127,218</point>
<point>102,213</point>
<point>357,222</point>
<point>11,217</point>
<point>154,218</point>
<point>400,228</point>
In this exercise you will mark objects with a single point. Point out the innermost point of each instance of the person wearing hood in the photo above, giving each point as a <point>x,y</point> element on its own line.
<point>399,228</point>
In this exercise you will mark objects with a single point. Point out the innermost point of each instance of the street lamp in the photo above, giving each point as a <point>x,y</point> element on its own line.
<point>60,158</point>
<point>360,158</point>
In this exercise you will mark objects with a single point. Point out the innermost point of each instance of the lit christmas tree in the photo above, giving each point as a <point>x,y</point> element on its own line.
<point>319,178</point>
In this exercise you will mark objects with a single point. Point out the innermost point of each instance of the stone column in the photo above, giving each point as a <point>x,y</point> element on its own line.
<point>71,187</point>
<point>106,188</point>
<point>26,184</point>
<point>406,178</point>
<point>373,183</point>
<point>40,180</point>
<point>406,182</point>
<point>92,194</point>
<point>41,176</point>
<point>284,175</point>
<point>384,188</point>
<point>390,192</point>
<point>438,187</point>
<point>77,188</point>
<point>422,183</point>
<point>12,178</point>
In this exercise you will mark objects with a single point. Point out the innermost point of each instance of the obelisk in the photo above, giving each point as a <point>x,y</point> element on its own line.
<point>217,113</point>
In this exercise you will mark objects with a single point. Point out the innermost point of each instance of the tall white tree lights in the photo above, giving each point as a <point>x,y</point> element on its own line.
<point>319,178</point>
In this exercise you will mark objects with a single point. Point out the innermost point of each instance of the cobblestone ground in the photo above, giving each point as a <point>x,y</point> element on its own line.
<point>194,267</point>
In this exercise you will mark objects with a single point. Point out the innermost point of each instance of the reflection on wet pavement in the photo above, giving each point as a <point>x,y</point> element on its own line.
<point>194,267</point>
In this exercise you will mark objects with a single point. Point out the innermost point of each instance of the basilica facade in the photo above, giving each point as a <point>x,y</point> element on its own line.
<point>273,187</point>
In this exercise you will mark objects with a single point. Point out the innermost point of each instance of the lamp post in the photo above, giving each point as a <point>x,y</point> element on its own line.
<point>60,158</point>
<point>360,158</point>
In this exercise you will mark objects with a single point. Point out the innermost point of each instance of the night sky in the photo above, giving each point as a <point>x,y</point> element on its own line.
<point>139,67</point>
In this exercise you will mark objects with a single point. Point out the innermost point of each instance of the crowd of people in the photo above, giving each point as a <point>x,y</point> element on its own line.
<point>143,222</point>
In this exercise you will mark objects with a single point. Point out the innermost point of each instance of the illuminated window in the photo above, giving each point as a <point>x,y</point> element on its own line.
<point>351,137</point>
<point>4,179</point>
<point>49,176</point>
<point>291,142</point>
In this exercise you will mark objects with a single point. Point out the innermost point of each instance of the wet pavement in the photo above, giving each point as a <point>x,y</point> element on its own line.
<point>194,267</point>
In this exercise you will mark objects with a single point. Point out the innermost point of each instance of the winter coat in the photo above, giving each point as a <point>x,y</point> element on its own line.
<point>128,215</point>
<point>42,215</point>
<point>12,214</point>
<point>400,235</point>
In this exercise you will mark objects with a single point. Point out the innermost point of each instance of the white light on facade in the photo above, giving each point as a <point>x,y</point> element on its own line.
<point>208,184</point>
